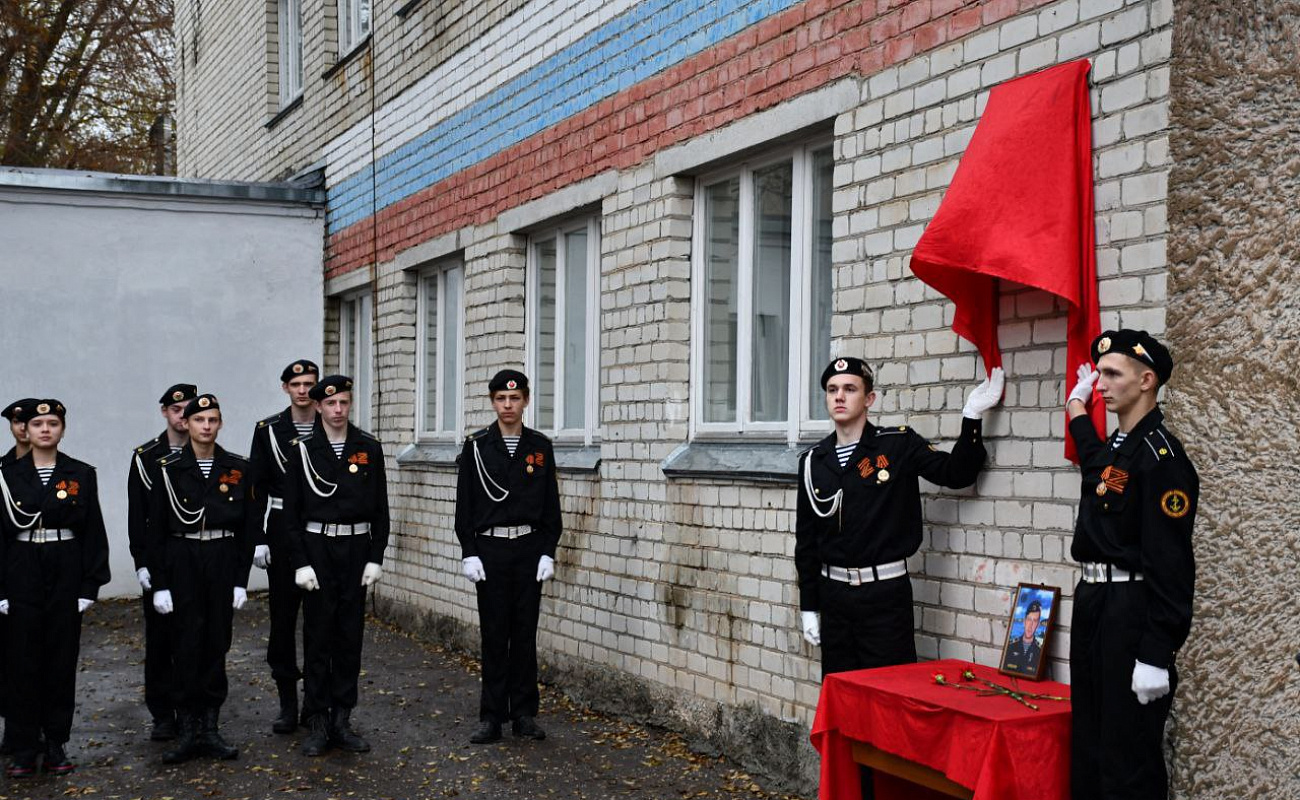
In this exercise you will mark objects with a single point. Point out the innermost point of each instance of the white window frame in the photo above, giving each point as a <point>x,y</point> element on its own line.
<point>445,382</point>
<point>356,317</point>
<point>354,26</point>
<point>289,36</point>
<point>590,432</point>
<point>799,421</point>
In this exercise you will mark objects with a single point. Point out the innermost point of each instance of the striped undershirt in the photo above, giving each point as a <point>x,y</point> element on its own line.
<point>45,473</point>
<point>1120,436</point>
<point>205,466</point>
<point>843,451</point>
<point>175,448</point>
<point>512,442</point>
<point>303,428</point>
<point>338,448</point>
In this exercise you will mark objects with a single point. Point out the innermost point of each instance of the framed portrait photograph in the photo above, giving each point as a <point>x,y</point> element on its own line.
<point>1033,612</point>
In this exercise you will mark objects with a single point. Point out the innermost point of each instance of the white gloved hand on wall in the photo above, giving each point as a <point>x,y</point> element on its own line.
<point>986,395</point>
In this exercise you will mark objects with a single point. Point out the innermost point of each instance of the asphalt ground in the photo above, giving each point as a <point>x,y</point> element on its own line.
<point>418,707</point>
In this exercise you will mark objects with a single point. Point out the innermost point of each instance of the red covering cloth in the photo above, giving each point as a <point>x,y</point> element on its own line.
<point>992,745</point>
<point>1020,208</point>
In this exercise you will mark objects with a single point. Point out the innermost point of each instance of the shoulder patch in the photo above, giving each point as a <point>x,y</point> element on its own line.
<point>299,439</point>
<point>1161,446</point>
<point>479,434</point>
<point>1175,503</point>
<point>367,435</point>
<point>147,446</point>
<point>237,457</point>
<point>892,430</point>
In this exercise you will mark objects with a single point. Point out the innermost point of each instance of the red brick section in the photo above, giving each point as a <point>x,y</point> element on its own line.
<point>783,56</point>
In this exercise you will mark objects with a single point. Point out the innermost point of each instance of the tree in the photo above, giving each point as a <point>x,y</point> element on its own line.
<point>82,82</point>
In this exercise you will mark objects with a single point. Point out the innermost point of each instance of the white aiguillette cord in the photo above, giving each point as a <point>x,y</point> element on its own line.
<point>11,507</point>
<point>183,514</point>
<point>485,478</point>
<point>144,476</point>
<point>280,460</point>
<point>834,499</point>
<point>313,476</point>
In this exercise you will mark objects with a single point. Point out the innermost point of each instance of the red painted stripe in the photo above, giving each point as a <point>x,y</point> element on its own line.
<point>783,56</point>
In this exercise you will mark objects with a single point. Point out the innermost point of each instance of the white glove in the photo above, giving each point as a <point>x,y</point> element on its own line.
<point>812,627</point>
<point>142,575</point>
<point>262,556</point>
<point>4,607</point>
<point>83,604</point>
<point>1082,390</point>
<point>1149,683</point>
<point>305,577</point>
<point>545,568</point>
<point>986,395</point>
<point>162,601</point>
<point>241,597</point>
<point>473,569</point>
<point>371,574</point>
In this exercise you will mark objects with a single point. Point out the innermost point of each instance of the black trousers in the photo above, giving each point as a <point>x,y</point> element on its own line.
<point>1116,742</point>
<point>43,640</point>
<point>159,666</point>
<point>202,577</point>
<point>867,626</point>
<point>333,622</point>
<point>509,604</point>
<point>285,598</point>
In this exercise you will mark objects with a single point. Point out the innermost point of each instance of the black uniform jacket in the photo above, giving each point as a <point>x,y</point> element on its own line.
<point>356,485</point>
<point>225,496</point>
<point>77,510</point>
<point>270,469</point>
<point>10,455</point>
<point>139,483</point>
<point>879,518</point>
<point>1141,521</point>
<point>1022,658</point>
<point>530,478</point>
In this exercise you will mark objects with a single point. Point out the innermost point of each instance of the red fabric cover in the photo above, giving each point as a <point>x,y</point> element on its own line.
<point>993,745</point>
<point>1020,208</point>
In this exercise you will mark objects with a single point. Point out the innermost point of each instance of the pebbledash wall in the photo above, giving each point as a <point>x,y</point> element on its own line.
<point>675,596</point>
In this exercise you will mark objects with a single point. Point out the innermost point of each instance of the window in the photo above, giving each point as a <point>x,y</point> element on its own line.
<point>563,308</point>
<point>761,294</point>
<point>438,360</point>
<point>354,24</point>
<point>355,353</point>
<point>290,35</point>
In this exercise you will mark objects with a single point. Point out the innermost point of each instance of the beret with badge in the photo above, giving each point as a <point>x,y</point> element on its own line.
<point>39,408</point>
<point>204,402</point>
<point>848,366</point>
<point>330,386</point>
<point>300,367</point>
<point>1138,345</point>
<point>508,379</point>
<point>180,393</point>
<point>15,408</point>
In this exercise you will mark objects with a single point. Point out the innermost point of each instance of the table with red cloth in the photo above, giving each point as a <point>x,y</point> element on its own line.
<point>992,745</point>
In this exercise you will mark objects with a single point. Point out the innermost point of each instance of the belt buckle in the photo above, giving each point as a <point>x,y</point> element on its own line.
<point>855,576</point>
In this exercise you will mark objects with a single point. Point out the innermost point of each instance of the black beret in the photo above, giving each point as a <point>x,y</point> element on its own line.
<point>39,408</point>
<point>180,393</point>
<point>848,366</point>
<point>1034,608</point>
<point>508,379</point>
<point>204,402</point>
<point>1138,345</point>
<point>330,386</point>
<point>300,367</point>
<point>12,410</point>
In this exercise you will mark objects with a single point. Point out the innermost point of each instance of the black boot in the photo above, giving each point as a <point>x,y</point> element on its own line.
<point>287,722</point>
<point>488,732</point>
<point>187,739</point>
<point>318,740</point>
<point>23,765</point>
<point>56,760</point>
<point>210,740</point>
<point>164,728</point>
<point>342,735</point>
<point>527,728</point>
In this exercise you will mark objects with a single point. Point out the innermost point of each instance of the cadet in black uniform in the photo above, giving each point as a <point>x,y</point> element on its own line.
<point>508,524</point>
<point>53,559</point>
<point>20,448</point>
<point>269,459</point>
<point>201,528</point>
<point>1133,539</point>
<point>159,693</point>
<point>859,517</point>
<point>336,518</point>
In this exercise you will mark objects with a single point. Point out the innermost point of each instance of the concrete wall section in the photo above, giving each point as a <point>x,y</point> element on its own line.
<point>110,297</point>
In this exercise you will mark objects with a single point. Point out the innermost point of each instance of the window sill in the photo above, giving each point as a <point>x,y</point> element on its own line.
<point>765,462</point>
<point>573,458</point>
<point>346,57</point>
<point>285,110</point>
<point>577,458</point>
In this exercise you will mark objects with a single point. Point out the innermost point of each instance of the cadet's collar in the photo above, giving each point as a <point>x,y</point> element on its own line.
<point>1140,431</point>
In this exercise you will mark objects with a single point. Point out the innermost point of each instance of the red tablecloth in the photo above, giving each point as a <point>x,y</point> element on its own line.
<point>993,745</point>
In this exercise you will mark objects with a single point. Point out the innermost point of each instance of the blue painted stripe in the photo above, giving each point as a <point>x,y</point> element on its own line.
<point>647,39</point>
